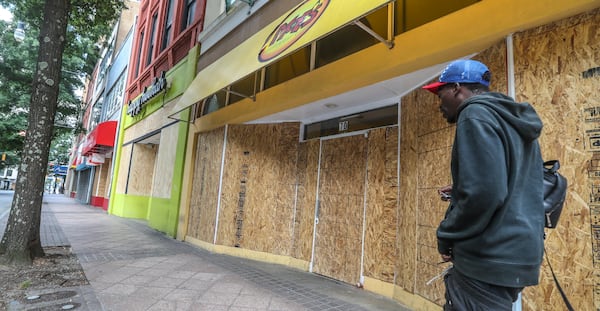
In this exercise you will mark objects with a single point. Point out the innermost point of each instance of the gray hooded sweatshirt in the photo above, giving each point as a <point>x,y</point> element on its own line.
<point>494,226</point>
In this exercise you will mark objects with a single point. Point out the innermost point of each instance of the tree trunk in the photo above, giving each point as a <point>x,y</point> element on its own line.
<point>21,241</point>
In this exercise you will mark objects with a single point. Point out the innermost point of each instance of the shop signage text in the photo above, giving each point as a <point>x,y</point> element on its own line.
<point>158,85</point>
<point>292,28</point>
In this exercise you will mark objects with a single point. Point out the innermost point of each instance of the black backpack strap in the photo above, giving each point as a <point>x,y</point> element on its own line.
<point>562,293</point>
<point>554,164</point>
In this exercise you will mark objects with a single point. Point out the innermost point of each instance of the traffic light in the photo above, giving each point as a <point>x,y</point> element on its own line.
<point>3,156</point>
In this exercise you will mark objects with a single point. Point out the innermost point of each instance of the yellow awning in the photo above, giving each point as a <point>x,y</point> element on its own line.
<point>309,21</point>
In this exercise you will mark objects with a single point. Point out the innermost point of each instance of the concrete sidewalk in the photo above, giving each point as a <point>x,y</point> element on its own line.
<point>133,267</point>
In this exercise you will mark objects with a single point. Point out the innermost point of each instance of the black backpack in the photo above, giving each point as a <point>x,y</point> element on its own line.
<point>555,191</point>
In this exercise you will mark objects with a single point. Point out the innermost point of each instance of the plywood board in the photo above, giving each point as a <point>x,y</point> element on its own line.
<point>308,162</point>
<point>141,170</point>
<point>426,142</point>
<point>165,161</point>
<point>341,205</point>
<point>382,204</point>
<point>205,185</point>
<point>105,190</point>
<point>96,182</point>
<point>124,168</point>
<point>259,186</point>
<point>407,209</point>
<point>551,63</point>
<point>103,173</point>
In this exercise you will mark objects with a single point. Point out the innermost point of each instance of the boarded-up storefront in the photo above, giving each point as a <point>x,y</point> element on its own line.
<point>363,207</point>
<point>556,69</point>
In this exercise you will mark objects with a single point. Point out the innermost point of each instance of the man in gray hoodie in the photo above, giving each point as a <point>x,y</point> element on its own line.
<point>493,230</point>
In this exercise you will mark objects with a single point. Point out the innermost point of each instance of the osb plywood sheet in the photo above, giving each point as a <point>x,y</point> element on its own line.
<point>382,202</point>
<point>426,142</point>
<point>431,212</point>
<point>103,174</point>
<point>142,169</point>
<point>557,71</point>
<point>341,207</point>
<point>407,209</point>
<point>308,162</point>
<point>205,185</point>
<point>259,186</point>
<point>428,113</point>
<point>434,167</point>
<point>495,59</point>
<point>107,179</point>
<point>433,172</point>
<point>165,161</point>
<point>96,182</point>
<point>427,282</point>
<point>124,168</point>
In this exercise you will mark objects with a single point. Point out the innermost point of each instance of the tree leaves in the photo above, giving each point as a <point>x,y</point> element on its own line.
<point>89,21</point>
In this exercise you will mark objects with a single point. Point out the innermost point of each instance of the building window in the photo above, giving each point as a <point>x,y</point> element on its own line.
<point>96,114</point>
<point>347,40</point>
<point>188,13</point>
<point>168,25</point>
<point>288,67</point>
<point>244,88</point>
<point>214,102</point>
<point>115,98</point>
<point>152,39</point>
<point>411,14</point>
<point>139,54</point>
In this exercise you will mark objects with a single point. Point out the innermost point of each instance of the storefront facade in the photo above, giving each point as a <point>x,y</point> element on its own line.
<point>330,163</point>
<point>98,150</point>
<point>150,159</point>
<point>147,179</point>
<point>90,173</point>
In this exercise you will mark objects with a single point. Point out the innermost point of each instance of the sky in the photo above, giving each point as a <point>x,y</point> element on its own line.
<point>5,14</point>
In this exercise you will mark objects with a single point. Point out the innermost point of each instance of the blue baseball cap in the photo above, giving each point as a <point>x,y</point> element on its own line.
<point>462,71</point>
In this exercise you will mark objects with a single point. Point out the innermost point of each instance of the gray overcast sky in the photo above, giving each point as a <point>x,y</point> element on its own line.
<point>5,14</point>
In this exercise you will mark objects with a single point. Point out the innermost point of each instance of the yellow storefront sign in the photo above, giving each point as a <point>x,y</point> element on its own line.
<point>309,21</point>
<point>292,28</point>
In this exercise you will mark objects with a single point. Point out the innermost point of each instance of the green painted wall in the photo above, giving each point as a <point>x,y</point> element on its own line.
<point>161,213</point>
<point>129,206</point>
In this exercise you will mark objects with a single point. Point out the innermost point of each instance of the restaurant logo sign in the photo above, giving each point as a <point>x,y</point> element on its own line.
<point>292,28</point>
<point>158,85</point>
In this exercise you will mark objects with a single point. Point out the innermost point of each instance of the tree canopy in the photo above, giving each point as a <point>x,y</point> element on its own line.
<point>18,61</point>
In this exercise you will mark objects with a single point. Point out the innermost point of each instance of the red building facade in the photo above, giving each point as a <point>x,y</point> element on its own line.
<point>165,32</point>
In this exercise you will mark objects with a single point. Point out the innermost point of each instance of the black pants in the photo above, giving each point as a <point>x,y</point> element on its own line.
<point>466,294</point>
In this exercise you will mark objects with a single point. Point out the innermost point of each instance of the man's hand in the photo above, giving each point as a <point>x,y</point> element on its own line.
<point>446,258</point>
<point>445,249</point>
<point>444,192</point>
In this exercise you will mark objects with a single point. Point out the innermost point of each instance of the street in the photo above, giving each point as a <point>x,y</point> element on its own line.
<point>6,197</point>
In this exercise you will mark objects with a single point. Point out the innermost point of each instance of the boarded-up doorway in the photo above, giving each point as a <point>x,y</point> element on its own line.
<point>338,239</point>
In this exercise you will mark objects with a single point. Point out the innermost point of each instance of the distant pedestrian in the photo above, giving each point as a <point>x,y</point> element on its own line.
<point>493,230</point>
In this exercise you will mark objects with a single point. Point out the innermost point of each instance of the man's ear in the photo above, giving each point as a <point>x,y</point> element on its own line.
<point>456,88</point>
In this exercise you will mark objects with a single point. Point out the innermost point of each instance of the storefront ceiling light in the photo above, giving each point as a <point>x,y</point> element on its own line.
<point>330,105</point>
<point>358,116</point>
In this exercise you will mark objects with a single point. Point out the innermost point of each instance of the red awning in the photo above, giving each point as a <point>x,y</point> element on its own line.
<point>101,139</point>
